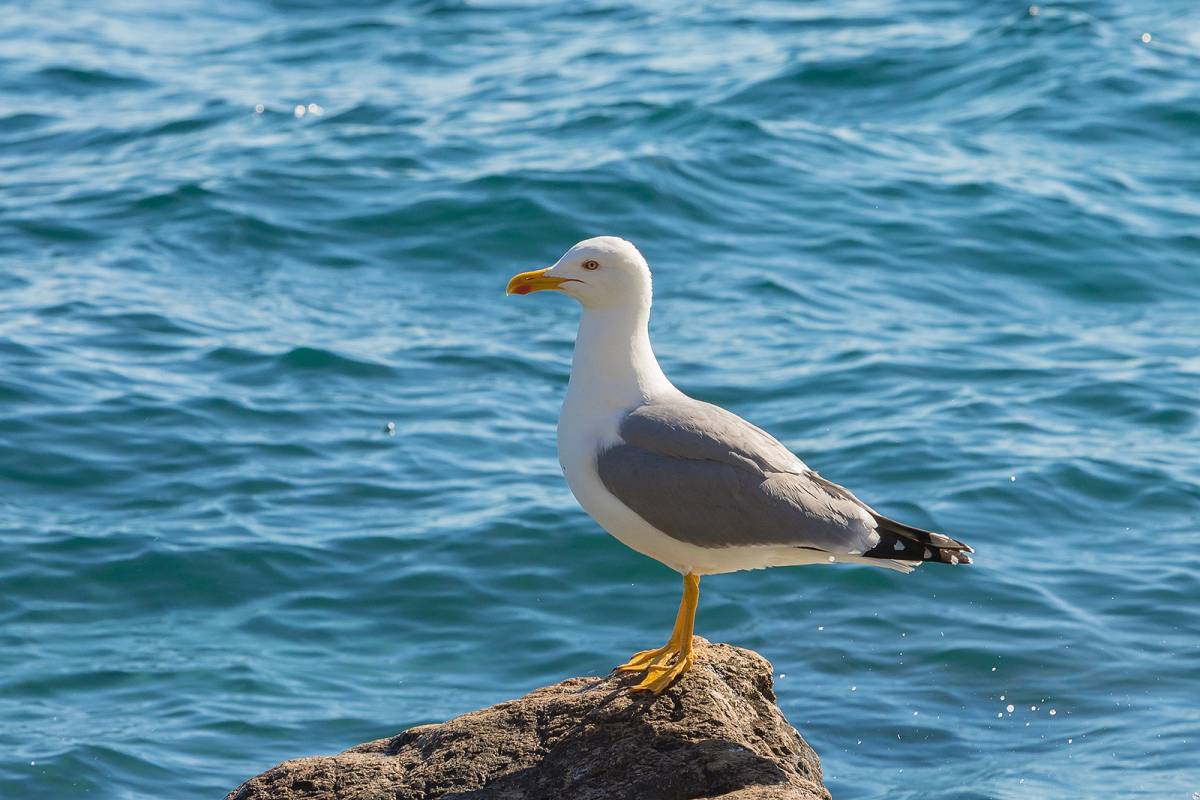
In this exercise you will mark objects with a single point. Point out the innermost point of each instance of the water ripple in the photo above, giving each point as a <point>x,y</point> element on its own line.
<point>945,251</point>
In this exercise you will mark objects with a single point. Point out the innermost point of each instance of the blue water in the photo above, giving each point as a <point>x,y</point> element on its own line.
<point>947,251</point>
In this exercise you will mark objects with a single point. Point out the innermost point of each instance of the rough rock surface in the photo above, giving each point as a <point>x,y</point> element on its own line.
<point>716,733</point>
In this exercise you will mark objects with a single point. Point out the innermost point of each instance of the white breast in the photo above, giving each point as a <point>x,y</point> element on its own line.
<point>582,434</point>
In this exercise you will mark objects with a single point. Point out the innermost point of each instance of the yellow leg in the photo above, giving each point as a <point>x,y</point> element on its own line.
<point>643,659</point>
<point>663,665</point>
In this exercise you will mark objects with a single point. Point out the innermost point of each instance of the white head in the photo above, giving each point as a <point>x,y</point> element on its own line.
<point>604,272</point>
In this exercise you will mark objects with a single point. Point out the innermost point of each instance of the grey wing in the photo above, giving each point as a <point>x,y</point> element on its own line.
<point>693,429</point>
<point>703,475</point>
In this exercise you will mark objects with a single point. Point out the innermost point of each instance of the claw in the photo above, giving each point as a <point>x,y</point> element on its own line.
<point>644,659</point>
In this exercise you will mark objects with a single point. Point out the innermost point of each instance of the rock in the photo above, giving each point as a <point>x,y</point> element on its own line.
<point>716,733</point>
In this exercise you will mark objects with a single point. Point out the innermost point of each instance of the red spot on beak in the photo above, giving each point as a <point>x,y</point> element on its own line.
<point>521,290</point>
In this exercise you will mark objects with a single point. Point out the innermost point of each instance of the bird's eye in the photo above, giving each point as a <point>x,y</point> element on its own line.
<point>589,264</point>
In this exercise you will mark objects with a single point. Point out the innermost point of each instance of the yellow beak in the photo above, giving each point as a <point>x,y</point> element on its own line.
<point>535,281</point>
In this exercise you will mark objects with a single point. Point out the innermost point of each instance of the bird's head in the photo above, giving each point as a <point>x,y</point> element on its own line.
<point>600,273</point>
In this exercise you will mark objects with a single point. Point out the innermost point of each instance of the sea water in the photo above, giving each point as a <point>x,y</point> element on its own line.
<point>277,456</point>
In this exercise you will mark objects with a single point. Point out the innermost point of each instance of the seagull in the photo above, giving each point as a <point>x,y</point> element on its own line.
<point>686,482</point>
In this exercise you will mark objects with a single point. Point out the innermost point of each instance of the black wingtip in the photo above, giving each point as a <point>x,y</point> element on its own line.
<point>900,542</point>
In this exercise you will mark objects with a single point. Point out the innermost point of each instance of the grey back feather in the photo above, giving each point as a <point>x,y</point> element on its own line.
<point>704,475</point>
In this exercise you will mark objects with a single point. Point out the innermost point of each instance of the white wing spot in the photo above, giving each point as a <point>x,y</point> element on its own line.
<point>928,553</point>
<point>899,545</point>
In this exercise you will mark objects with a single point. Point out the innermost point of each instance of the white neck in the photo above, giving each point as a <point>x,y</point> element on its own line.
<point>614,366</point>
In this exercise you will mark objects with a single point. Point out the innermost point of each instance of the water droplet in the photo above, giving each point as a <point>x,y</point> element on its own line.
<point>1053,712</point>
<point>315,109</point>
<point>1034,11</point>
<point>390,429</point>
<point>298,111</point>
<point>854,688</point>
<point>260,108</point>
<point>1146,38</point>
<point>820,627</point>
<point>1009,708</point>
<point>1012,478</point>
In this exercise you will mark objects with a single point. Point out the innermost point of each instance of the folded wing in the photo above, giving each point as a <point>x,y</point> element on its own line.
<point>703,475</point>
